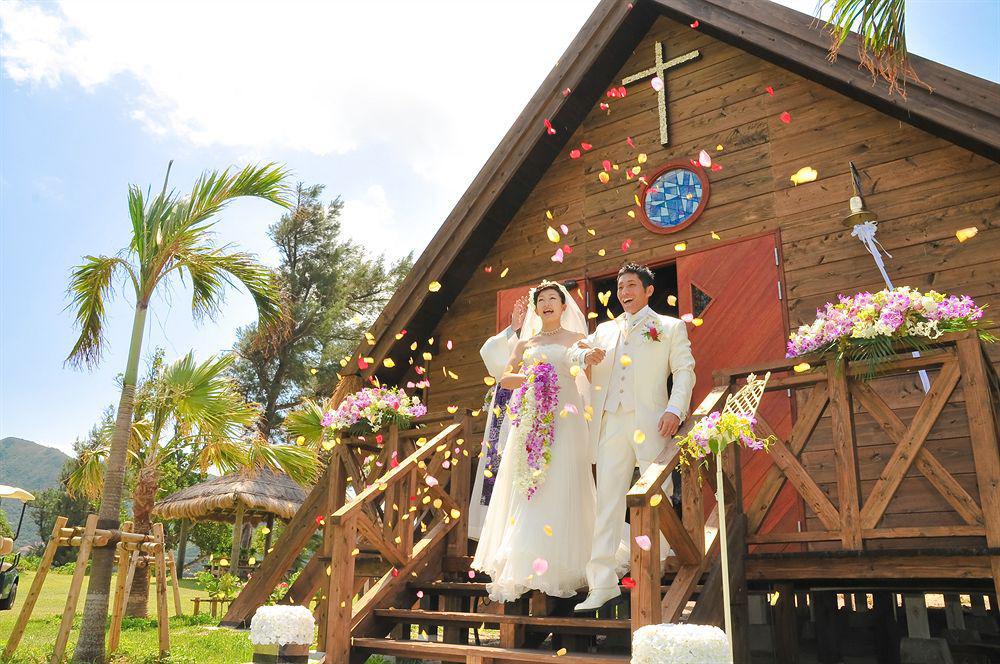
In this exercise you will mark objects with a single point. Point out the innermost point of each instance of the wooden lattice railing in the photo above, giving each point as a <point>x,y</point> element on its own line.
<point>413,515</point>
<point>957,359</point>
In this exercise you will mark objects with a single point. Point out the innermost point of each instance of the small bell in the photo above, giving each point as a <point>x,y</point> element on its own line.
<point>859,214</point>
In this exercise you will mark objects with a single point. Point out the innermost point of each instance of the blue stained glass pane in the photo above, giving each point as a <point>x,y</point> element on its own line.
<point>673,197</point>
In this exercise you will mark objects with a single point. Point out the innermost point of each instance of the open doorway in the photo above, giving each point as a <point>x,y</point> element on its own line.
<point>664,287</point>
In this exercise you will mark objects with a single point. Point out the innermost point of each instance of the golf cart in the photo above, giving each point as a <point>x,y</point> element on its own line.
<point>8,563</point>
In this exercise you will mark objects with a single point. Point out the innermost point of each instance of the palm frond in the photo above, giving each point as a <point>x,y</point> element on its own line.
<point>87,477</point>
<point>211,270</point>
<point>202,395</point>
<point>306,421</point>
<point>91,285</point>
<point>881,28</point>
<point>299,463</point>
<point>225,454</point>
<point>214,190</point>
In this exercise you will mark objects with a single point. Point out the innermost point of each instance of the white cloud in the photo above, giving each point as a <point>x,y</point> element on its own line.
<point>440,81</point>
<point>371,220</point>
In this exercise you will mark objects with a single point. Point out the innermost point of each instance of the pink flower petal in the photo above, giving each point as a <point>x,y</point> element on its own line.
<point>704,159</point>
<point>657,83</point>
<point>785,117</point>
<point>643,542</point>
<point>540,566</point>
<point>558,256</point>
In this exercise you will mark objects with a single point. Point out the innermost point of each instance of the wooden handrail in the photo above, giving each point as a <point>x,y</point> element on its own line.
<point>394,475</point>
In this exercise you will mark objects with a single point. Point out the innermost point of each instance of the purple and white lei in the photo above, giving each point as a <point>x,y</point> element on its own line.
<point>533,408</point>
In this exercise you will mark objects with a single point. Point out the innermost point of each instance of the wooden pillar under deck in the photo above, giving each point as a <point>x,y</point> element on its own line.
<point>786,627</point>
<point>827,628</point>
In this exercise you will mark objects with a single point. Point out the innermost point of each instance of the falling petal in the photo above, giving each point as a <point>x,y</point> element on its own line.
<point>431,480</point>
<point>548,215</point>
<point>680,246</point>
<point>548,126</point>
<point>566,92</point>
<point>592,232</point>
<point>687,318</point>
<point>641,158</point>
<point>966,233</point>
<point>574,154</point>
<point>631,213</point>
<point>389,363</point>
<point>630,143</point>
<point>552,234</point>
<point>564,228</point>
<point>801,367</point>
<point>604,177</point>
<point>540,566</point>
<point>558,256</point>
<point>448,344</point>
<point>625,360</point>
<point>639,436</point>
<point>562,651</point>
<point>697,322</point>
<point>489,380</point>
<point>643,542</point>
<point>695,24</point>
<point>434,286</point>
<point>626,244</point>
<point>655,499</point>
<point>488,269</point>
<point>548,530</point>
<point>704,158</point>
<point>601,252</point>
<point>606,165</point>
<point>715,236</point>
<point>803,175</point>
<point>604,297</point>
<point>770,90</point>
<point>718,148</point>
<point>657,83</point>
<point>504,273</point>
<point>672,300</point>
<point>586,146</point>
<point>785,117</point>
<point>716,167</point>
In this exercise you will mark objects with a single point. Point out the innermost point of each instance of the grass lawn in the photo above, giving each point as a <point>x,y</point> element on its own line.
<point>192,641</point>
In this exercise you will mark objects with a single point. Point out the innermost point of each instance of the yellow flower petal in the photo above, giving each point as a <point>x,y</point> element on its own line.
<point>548,214</point>
<point>552,234</point>
<point>592,231</point>
<point>490,381</point>
<point>574,371</point>
<point>641,158</point>
<point>548,530</point>
<point>603,177</point>
<point>592,315</point>
<point>604,297</point>
<point>966,233</point>
<point>680,246</point>
<point>452,410</point>
<point>434,286</point>
<point>697,322</point>
<point>715,236</point>
<point>601,252</point>
<point>672,300</point>
<point>639,437</point>
<point>655,499</point>
<point>802,366</point>
<point>803,175</point>
<point>300,440</point>
<point>427,356</point>
<point>504,273</point>
<point>631,213</point>
<point>626,360</point>
<point>389,363</point>
<point>560,652</point>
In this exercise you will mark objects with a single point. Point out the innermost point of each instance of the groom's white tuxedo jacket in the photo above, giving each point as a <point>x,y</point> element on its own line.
<point>658,347</point>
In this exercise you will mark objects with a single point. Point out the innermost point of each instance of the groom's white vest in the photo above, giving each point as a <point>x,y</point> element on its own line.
<point>652,363</point>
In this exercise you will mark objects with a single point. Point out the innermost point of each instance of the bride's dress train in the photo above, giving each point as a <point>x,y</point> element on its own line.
<point>556,525</point>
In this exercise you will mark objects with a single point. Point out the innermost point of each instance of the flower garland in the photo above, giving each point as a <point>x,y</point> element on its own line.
<point>532,408</point>
<point>865,325</point>
<point>715,432</point>
<point>374,408</point>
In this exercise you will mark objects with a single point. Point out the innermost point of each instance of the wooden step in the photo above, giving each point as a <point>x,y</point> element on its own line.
<point>479,588</point>
<point>469,619</point>
<point>449,652</point>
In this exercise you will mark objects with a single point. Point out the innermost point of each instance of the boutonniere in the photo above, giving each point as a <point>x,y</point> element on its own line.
<point>652,331</point>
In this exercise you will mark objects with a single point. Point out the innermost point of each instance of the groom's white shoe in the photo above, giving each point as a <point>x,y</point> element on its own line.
<point>599,598</point>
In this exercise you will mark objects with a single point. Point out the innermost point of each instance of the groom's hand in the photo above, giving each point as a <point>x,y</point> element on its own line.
<point>594,356</point>
<point>669,424</point>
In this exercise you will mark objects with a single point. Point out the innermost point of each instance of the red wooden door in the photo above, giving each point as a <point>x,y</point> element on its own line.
<point>507,298</point>
<point>734,290</point>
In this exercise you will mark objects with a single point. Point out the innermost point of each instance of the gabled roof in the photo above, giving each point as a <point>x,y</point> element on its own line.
<point>962,109</point>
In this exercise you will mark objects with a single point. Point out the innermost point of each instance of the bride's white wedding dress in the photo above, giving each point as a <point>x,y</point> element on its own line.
<point>557,523</point>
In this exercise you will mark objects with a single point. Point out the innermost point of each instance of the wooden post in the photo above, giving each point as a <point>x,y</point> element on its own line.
<point>460,489</point>
<point>917,625</point>
<point>786,628</point>
<point>234,557</point>
<point>270,533</point>
<point>984,435</point>
<point>178,608</point>
<point>827,627</point>
<point>334,499</point>
<point>36,589</point>
<point>845,449</point>
<point>82,556</point>
<point>340,588</point>
<point>886,627</point>
<point>645,596</point>
<point>162,622</point>
<point>182,537</point>
<point>118,604</point>
<point>953,611</point>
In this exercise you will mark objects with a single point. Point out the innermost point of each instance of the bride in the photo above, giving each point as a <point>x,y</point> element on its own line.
<point>538,529</point>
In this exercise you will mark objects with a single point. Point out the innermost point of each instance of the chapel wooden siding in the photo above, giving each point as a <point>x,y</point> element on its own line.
<point>923,188</point>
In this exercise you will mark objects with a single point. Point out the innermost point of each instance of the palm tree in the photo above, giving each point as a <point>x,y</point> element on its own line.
<point>170,234</point>
<point>212,424</point>
<point>881,28</point>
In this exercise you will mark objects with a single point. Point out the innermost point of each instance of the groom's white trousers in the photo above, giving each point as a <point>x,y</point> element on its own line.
<point>616,459</point>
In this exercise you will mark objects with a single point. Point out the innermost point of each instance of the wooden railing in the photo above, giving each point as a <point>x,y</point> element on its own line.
<point>357,470</point>
<point>413,515</point>
<point>847,521</point>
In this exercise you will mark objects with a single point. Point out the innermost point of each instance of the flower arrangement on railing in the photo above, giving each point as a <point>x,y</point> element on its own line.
<point>281,634</point>
<point>373,408</point>
<point>692,644</point>
<point>532,408</point>
<point>715,432</point>
<point>865,326</point>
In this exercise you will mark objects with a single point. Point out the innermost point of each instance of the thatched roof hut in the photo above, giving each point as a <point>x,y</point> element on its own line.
<point>239,498</point>
<point>219,498</point>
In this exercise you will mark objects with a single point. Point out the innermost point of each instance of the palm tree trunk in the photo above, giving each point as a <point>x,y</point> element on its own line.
<point>90,646</point>
<point>142,510</point>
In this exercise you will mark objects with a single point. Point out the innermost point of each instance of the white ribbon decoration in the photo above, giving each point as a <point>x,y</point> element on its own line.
<point>866,233</point>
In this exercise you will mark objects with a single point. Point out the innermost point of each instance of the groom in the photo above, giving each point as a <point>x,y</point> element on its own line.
<point>635,418</point>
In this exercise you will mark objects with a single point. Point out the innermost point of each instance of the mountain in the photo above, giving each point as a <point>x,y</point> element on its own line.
<point>32,467</point>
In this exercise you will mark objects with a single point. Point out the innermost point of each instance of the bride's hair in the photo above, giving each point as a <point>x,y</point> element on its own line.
<point>544,286</point>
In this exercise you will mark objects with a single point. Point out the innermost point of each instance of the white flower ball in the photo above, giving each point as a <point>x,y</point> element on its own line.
<point>691,644</point>
<point>281,625</point>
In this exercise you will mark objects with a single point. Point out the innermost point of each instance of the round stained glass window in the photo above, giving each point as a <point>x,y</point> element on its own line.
<point>674,198</point>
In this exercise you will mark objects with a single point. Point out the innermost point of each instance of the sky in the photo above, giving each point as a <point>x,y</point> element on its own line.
<point>393,106</point>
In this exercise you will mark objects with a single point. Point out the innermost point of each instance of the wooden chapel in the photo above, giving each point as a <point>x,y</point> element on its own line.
<point>712,140</point>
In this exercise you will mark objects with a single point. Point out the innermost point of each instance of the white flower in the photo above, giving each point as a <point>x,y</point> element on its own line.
<point>281,625</point>
<point>691,644</point>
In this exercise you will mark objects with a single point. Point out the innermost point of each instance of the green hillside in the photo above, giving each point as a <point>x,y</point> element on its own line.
<point>32,467</point>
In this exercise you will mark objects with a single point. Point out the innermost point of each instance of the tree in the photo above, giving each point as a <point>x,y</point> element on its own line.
<point>331,291</point>
<point>881,27</point>
<point>170,234</point>
<point>187,415</point>
<point>52,503</point>
<point>5,529</point>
